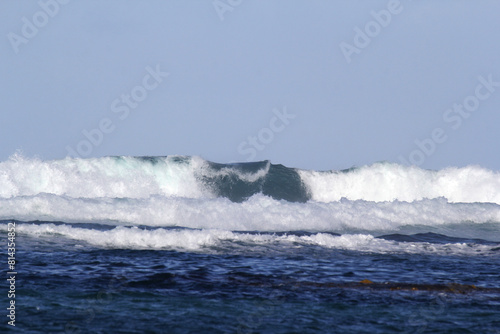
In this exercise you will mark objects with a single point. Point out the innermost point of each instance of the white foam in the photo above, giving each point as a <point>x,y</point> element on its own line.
<point>129,177</point>
<point>388,182</point>
<point>368,243</point>
<point>259,213</point>
<point>203,240</point>
<point>124,177</point>
<point>166,192</point>
<point>230,171</point>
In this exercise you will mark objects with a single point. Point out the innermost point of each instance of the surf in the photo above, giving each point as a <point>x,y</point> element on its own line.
<point>195,177</point>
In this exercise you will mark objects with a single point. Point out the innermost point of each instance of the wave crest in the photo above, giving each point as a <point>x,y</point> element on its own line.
<point>389,182</point>
<point>194,177</point>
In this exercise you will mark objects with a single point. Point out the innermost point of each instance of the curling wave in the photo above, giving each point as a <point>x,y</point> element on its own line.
<point>194,177</point>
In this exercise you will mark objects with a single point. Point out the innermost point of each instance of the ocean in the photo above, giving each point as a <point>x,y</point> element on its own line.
<point>179,244</point>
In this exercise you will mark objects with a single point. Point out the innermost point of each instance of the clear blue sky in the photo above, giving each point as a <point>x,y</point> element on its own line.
<point>362,86</point>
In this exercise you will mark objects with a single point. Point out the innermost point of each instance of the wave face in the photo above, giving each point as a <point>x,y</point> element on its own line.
<point>194,177</point>
<point>143,177</point>
<point>190,192</point>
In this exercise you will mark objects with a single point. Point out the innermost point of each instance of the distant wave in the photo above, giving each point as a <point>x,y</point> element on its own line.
<point>194,177</point>
<point>190,192</point>
<point>142,177</point>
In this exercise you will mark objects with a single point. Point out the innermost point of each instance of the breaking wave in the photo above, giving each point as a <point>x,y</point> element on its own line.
<point>190,192</point>
<point>194,177</point>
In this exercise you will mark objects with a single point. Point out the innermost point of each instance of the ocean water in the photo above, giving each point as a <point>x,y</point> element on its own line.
<point>179,244</point>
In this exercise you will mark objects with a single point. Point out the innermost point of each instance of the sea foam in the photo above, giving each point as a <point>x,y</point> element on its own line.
<point>259,213</point>
<point>194,177</point>
<point>388,182</point>
<point>114,177</point>
<point>194,193</point>
<point>212,240</point>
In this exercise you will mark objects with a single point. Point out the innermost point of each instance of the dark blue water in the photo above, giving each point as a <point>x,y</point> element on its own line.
<point>68,288</point>
<point>180,244</point>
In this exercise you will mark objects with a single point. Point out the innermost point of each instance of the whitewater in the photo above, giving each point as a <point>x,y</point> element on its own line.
<point>194,177</point>
<point>205,240</point>
<point>190,192</point>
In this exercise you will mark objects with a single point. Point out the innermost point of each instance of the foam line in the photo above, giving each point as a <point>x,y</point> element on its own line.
<point>259,213</point>
<point>204,240</point>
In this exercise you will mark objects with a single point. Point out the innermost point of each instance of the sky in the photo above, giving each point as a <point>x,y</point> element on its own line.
<point>313,84</point>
